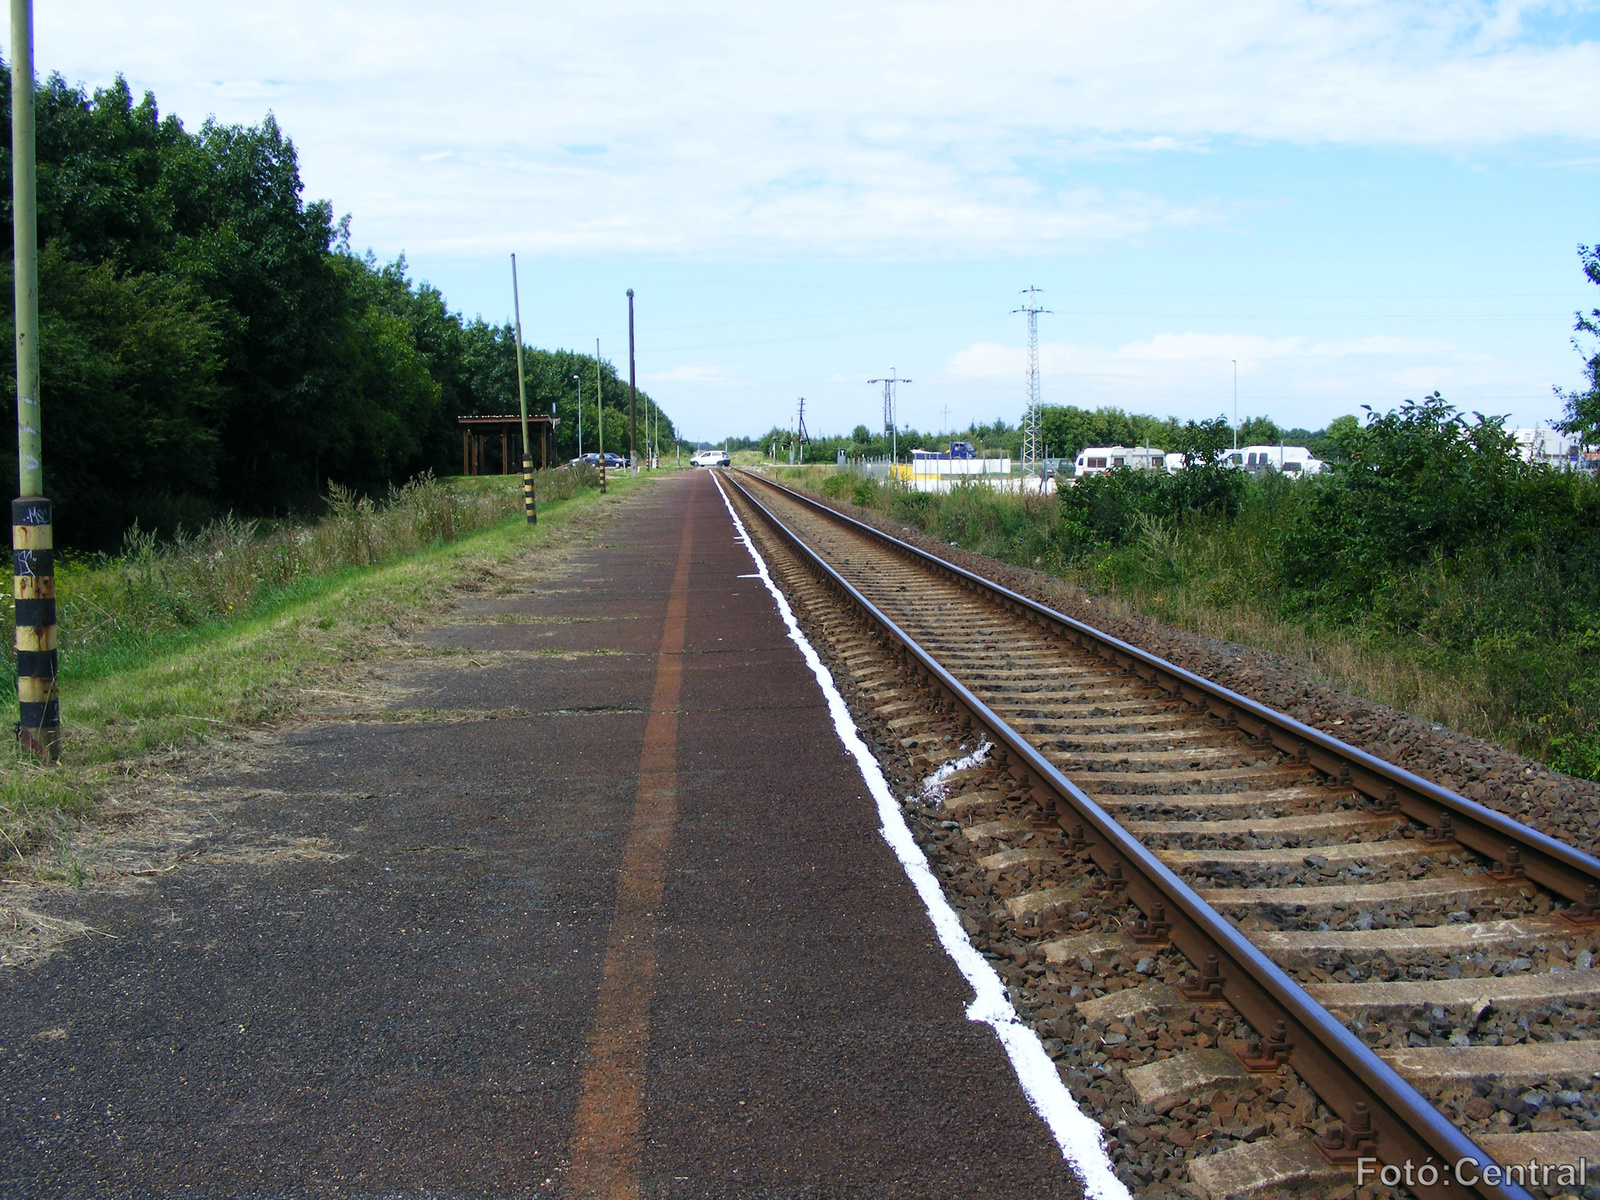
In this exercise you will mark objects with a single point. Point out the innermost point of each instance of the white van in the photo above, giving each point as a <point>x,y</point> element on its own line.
<point>1097,460</point>
<point>1291,460</point>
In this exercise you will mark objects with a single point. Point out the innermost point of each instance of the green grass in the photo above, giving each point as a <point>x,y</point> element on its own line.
<point>125,701</point>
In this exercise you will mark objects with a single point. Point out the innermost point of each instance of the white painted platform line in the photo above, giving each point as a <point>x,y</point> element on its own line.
<point>1076,1134</point>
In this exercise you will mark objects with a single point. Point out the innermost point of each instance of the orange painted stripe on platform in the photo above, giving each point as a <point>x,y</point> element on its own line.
<point>604,1157</point>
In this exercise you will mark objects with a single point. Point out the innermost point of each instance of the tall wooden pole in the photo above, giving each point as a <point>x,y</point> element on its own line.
<point>529,504</point>
<point>633,394</point>
<point>600,415</point>
<point>32,527</point>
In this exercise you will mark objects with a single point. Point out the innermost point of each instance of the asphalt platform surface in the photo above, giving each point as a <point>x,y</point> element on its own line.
<point>597,950</point>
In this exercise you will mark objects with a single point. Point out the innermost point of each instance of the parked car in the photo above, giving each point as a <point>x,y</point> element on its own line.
<point>613,461</point>
<point>1291,460</point>
<point>711,458</point>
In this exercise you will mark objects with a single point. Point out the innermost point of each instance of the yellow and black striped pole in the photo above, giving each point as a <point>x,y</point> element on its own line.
<point>530,505</point>
<point>33,584</point>
<point>33,566</point>
<point>600,414</point>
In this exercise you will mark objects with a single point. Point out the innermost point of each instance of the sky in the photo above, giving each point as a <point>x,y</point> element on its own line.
<point>1312,206</point>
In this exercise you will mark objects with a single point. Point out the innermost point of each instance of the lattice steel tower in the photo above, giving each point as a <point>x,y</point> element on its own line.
<point>1032,450</point>
<point>888,412</point>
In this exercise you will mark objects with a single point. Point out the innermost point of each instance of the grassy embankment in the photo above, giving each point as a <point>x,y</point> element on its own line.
<point>165,645</point>
<point>1458,585</point>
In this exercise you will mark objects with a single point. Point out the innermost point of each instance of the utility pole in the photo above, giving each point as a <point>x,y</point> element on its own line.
<point>578,379</point>
<point>633,396</point>
<point>946,418</point>
<point>1236,404</point>
<point>529,506</point>
<point>1030,418</point>
<point>801,426</point>
<point>33,564</point>
<point>600,414</point>
<point>889,425</point>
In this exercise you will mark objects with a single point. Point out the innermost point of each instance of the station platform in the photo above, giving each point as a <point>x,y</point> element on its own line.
<point>638,936</point>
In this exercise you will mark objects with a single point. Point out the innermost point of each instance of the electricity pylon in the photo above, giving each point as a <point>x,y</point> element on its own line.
<point>1032,449</point>
<point>888,413</point>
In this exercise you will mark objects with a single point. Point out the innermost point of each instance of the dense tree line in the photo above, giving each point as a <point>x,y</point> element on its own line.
<point>210,341</point>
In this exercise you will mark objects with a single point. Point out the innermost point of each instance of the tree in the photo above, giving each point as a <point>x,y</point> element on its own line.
<point>210,341</point>
<point>1583,407</point>
<point>1259,431</point>
<point>1067,430</point>
<point>131,411</point>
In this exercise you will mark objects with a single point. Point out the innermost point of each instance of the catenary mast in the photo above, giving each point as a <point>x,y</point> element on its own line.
<point>1032,455</point>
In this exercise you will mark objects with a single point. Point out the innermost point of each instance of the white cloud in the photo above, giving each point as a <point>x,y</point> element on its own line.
<point>907,130</point>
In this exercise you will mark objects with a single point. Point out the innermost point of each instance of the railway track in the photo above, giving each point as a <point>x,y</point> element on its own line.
<point>1262,957</point>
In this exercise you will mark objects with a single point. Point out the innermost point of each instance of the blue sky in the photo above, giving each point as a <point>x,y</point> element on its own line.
<point>1360,202</point>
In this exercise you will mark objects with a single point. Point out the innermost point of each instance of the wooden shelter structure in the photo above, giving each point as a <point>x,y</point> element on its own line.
<point>478,438</point>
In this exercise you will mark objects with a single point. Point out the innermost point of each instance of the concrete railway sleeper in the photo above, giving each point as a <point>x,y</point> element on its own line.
<point>1420,962</point>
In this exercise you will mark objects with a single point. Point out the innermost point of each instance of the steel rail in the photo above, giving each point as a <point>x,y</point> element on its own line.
<point>1340,1068</point>
<point>1544,860</point>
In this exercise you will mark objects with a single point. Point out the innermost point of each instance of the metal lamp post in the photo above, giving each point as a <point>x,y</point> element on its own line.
<point>578,379</point>
<point>1235,403</point>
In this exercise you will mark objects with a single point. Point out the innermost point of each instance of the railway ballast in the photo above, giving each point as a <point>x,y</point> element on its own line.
<point>1262,957</point>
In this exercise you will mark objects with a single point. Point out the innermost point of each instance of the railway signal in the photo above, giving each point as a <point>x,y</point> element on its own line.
<point>32,529</point>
